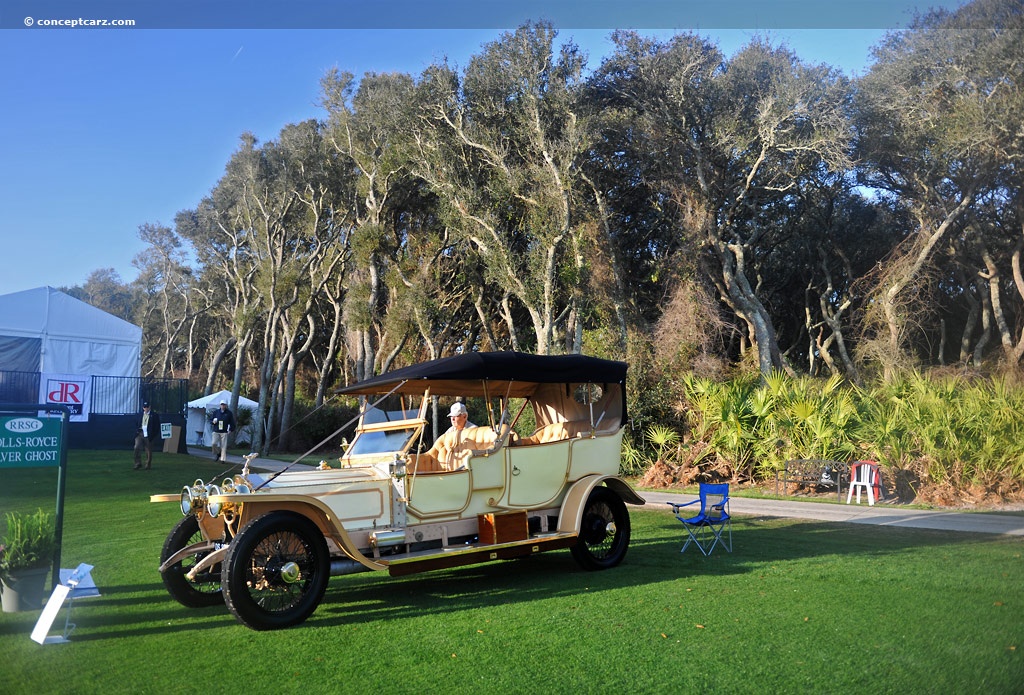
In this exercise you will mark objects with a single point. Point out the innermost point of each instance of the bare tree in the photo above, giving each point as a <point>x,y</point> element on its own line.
<point>500,150</point>
<point>734,141</point>
<point>939,116</point>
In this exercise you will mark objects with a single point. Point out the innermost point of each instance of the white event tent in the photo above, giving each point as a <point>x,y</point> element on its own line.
<point>45,330</point>
<point>200,410</point>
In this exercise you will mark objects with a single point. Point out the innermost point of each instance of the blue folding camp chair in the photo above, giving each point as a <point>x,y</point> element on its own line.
<point>713,525</point>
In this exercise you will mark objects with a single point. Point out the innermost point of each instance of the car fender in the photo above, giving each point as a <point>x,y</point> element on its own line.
<point>253,506</point>
<point>571,515</point>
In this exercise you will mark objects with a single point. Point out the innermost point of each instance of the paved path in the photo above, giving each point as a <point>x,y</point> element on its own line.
<point>880,514</point>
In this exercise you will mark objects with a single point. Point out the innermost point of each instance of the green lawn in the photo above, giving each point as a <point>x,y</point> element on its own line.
<point>799,606</point>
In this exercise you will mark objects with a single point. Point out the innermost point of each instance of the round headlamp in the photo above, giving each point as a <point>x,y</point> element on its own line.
<point>187,500</point>
<point>212,507</point>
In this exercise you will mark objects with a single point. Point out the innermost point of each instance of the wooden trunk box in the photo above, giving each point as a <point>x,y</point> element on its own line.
<point>503,528</point>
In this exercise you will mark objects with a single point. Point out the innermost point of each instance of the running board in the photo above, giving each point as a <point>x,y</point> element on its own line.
<point>477,553</point>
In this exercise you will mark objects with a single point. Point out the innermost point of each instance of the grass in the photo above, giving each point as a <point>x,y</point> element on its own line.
<point>797,607</point>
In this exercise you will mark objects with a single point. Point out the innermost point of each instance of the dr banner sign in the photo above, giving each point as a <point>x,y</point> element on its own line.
<point>27,442</point>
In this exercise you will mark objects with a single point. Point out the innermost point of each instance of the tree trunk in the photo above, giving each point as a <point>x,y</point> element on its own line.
<point>218,358</point>
<point>971,322</point>
<point>618,288</point>
<point>913,262</point>
<point>992,279</point>
<point>986,325</point>
<point>749,307</point>
<point>324,374</point>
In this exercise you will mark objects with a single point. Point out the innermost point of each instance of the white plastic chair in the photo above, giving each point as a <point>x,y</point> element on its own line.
<point>863,474</point>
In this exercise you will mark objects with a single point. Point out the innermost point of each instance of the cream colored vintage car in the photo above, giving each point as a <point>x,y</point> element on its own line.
<point>266,544</point>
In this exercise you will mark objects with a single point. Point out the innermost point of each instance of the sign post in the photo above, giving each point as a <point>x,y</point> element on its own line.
<point>31,440</point>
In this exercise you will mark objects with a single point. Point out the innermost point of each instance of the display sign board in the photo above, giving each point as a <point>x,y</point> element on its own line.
<point>74,584</point>
<point>33,439</point>
<point>29,442</point>
<point>69,390</point>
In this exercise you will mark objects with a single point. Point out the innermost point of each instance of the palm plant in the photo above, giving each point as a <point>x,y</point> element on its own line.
<point>662,438</point>
<point>633,460</point>
<point>943,429</point>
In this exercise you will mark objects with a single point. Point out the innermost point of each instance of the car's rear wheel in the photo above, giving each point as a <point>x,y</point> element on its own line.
<point>604,531</point>
<point>205,589</point>
<point>276,571</point>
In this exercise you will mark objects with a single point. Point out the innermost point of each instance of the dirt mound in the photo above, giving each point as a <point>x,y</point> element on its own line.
<point>970,497</point>
<point>663,474</point>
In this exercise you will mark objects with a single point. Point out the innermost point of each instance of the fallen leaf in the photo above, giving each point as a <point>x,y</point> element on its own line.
<point>806,619</point>
<point>479,632</point>
<point>998,603</point>
<point>453,655</point>
<point>701,627</point>
<point>664,636</point>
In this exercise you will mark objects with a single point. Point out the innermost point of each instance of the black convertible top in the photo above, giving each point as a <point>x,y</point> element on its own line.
<point>511,372</point>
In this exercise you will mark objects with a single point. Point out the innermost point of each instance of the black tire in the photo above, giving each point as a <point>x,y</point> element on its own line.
<point>604,531</point>
<point>256,588</point>
<point>205,589</point>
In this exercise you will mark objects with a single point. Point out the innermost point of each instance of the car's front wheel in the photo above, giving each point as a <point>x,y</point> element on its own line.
<point>204,590</point>
<point>604,531</point>
<point>276,571</point>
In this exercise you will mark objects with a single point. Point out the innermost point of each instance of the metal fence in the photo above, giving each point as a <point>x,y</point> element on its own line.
<point>110,395</point>
<point>114,395</point>
<point>19,387</point>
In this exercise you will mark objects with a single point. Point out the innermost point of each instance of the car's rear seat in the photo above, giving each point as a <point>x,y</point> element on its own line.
<point>556,431</point>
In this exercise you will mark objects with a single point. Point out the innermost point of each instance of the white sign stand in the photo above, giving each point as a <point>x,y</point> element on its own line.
<point>74,584</point>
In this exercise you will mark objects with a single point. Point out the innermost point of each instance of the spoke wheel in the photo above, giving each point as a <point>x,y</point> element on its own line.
<point>276,571</point>
<point>205,589</point>
<point>604,531</point>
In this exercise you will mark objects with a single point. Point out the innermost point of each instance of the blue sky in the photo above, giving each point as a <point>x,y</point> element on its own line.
<point>105,129</point>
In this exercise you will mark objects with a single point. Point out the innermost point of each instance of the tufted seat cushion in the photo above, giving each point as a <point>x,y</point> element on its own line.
<point>556,431</point>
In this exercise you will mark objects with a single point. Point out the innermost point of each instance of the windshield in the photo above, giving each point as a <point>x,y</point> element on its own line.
<point>381,442</point>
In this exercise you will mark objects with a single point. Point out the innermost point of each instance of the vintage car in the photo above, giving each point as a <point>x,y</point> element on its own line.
<point>265,544</point>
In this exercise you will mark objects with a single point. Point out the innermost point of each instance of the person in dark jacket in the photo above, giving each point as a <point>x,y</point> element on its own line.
<point>147,436</point>
<point>223,421</point>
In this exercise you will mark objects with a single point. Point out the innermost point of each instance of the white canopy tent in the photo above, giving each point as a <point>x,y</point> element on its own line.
<point>44,330</point>
<point>198,428</point>
<point>59,333</point>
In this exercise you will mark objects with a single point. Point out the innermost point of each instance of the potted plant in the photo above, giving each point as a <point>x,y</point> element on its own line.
<point>26,552</point>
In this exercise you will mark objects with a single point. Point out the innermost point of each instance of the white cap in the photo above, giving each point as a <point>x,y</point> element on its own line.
<point>458,409</point>
<point>223,402</point>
